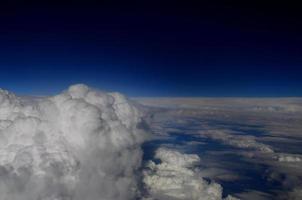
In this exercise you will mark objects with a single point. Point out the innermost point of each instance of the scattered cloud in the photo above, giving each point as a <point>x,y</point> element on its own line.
<point>258,139</point>
<point>240,141</point>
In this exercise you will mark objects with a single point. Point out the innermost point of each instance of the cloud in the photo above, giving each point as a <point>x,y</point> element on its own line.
<point>288,158</point>
<point>80,144</point>
<point>265,134</point>
<point>264,105</point>
<point>240,141</point>
<point>176,177</point>
<point>250,142</point>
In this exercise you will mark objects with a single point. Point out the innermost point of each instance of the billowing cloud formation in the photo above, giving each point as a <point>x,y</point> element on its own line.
<point>80,144</point>
<point>176,177</point>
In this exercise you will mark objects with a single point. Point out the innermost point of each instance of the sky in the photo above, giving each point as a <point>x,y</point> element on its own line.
<point>150,48</point>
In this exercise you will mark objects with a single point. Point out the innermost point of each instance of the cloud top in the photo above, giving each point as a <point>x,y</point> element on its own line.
<point>80,144</point>
<point>176,177</point>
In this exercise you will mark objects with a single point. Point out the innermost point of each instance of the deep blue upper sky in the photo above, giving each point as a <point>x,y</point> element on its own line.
<point>152,49</point>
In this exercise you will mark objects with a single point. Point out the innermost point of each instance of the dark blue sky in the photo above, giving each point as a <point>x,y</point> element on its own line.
<point>152,49</point>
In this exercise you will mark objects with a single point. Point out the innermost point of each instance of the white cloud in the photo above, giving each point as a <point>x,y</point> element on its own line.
<point>240,141</point>
<point>80,144</point>
<point>288,158</point>
<point>176,177</point>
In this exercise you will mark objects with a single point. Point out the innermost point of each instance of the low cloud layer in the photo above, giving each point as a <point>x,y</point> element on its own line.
<point>250,143</point>
<point>240,141</point>
<point>251,146</point>
<point>80,144</point>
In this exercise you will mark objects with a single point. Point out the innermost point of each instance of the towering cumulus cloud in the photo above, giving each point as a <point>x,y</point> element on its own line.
<point>79,145</point>
<point>177,178</point>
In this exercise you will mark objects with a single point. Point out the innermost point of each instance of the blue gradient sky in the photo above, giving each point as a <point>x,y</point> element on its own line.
<point>149,49</point>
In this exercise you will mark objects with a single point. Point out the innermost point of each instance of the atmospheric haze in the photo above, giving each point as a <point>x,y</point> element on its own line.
<point>251,146</point>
